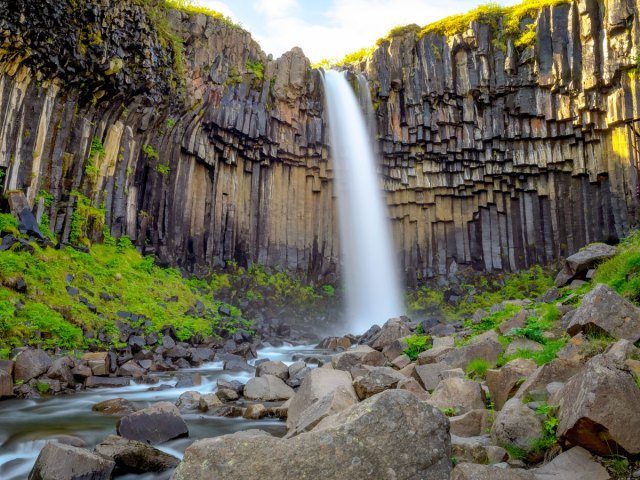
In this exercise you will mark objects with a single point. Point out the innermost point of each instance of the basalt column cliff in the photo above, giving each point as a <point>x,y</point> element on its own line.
<point>127,118</point>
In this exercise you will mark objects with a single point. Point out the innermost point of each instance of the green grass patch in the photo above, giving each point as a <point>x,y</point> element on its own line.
<point>477,368</point>
<point>193,7</point>
<point>622,271</point>
<point>416,344</point>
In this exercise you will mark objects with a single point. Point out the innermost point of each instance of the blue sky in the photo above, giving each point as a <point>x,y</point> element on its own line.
<point>332,28</point>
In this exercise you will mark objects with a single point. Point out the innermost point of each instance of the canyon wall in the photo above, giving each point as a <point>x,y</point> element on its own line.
<point>493,156</point>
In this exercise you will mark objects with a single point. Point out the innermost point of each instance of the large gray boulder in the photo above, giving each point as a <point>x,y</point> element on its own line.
<point>6,384</point>
<point>57,461</point>
<point>599,409</point>
<point>98,362</point>
<point>376,380</point>
<point>558,370</point>
<point>463,395</point>
<point>487,349</point>
<point>61,370</point>
<point>392,330</point>
<point>277,369</point>
<point>472,471</point>
<point>361,355</point>
<point>316,385</point>
<point>267,388</point>
<point>31,363</point>
<point>578,264</point>
<point>430,374</point>
<point>517,425</point>
<point>504,382</point>
<point>602,309</point>
<point>392,435</point>
<point>131,456</point>
<point>155,424</point>
<point>334,402</point>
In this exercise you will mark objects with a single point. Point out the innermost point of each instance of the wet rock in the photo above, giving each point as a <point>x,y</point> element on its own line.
<point>115,406</point>
<point>297,373</point>
<point>598,409</point>
<point>463,395</point>
<point>376,380</point>
<point>31,363</point>
<point>98,362</point>
<point>80,372</point>
<point>61,370</point>
<point>189,401</point>
<point>334,343</point>
<point>317,384</point>
<point>227,395</point>
<point>189,380</point>
<point>106,382</point>
<point>234,363</point>
<point>131,369</point>
<point>602,309</point>
<point>202,354</point>
<point>131,456</point>
<point>383,420</point>
<point>503,383</point>
<point>255,412</point>
<point>277,369</point>
<point>209,401</point>
<point>267,388</point>
<point>155,424</point>
<point>231,411</point>
<point>234,385</point>
<point>6,384</point>
<point>57,461</point>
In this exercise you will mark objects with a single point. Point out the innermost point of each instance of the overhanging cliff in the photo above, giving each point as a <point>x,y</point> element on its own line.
<point>494,155</point>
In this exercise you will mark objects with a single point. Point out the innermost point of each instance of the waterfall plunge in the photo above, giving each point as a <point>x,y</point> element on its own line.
<point>371,280</point>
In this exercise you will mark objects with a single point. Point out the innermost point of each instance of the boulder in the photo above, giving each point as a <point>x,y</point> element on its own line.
<point>189,401</point>
<point>413,436</point>
<point>131,369</point>
<point>234,385</point>
<point>255,412</point>
<point>470,449</point>
<point>61,370</point>
<point>473,471</point>
<point>316,385</point>
<point>394,349</point>
<point>209,401</point>
<point>410,384</point>
<point>98,362</point>
<point>400,362</point>
<point>430,374</point>
<point>599,409</point>
<point>277,369</point>
<point>516,425</point>
<point>106,382</point>
<point>189,380</point>
<point>235,363</point>
<point>333,402</point>
<point>574,464</point>
<point>115,406</point>
<point>443,342</point>
<point>155,424</point>
<point>471,424</point>
<point>503,383</point>
<point>431,355</point>
<point>31,363</point>
<point>463,395</point>
<point>57,461</point>
<point>376,380</point>
<point>578,264</point>
<point>487,349</point>
<point>132,456</point>
<point>361,355</point>
<point>267,388</point>
<point>558,370</point>
<point>227,394</point>
<point>522,344</point>
<point>6,384</point>
<point>392,330</point>
<point>602,309</point>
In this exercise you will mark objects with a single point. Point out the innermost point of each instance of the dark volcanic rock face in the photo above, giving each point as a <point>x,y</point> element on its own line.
<point>493,157</point>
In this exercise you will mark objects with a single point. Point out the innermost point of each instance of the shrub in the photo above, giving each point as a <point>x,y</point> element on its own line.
<point>477,368</point>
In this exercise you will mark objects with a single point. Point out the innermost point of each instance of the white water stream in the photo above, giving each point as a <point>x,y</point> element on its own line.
<point>26,425</point>
<point>371,276</point>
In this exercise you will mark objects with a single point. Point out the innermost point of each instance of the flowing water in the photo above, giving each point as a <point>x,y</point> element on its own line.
<point>371,277</point>
<point>26,425</point>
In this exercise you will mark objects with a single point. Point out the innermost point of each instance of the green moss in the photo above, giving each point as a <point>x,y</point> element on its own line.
<point>477,368</point>
<point>416,344</point>
<point>257,68</point>
<point>163,169</point>
<point>43,388</point>
<point>8,224</point>
<point>150,152</point>
<point>86,220</point>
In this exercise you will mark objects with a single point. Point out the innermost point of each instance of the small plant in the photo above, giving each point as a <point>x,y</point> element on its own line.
<point>43,388</point>
<point>616,464</point>
<point>550,425</point>
<point>97,148</point>
<point>477,368</point>
<point>416,344</point>
<point>163,169</point>
<point>257,68</point>
<point>170,123</point>
<point>329,290</point>
<point>150,152</point>
<point>449,411</point>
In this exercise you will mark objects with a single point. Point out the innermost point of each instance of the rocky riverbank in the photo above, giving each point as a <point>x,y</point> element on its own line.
<point>547,387</point>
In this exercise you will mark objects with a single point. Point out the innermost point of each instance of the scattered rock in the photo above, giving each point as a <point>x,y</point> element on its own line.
<point>522,344</point>
<point>255,412</point>
<point>227,395</point>
<point>376,380</point>
<point>115,406</point>
<point>558,370</point>
<point>277,369</point>
<point>578,264</point>
<point>98,362</point>
<point>107,382</point>
<point>57,461</point>
<point>317,384</point>
<point>31,363</point>
<point>392,330</point>
<point>131,369</point>
<point>411,385</point>
<point>487,349</point>
<point>209,401</point>
<point>517,425</point>
<point>361,355</point>
<point>61,370</point>
<point>472,423</point>
<point>472,471</point>
<point>503,383</point>
<point>602,309</point>
<point>599,409</point>
<point>574,464</point>
<point>335,401</point>
<point>189,401</point>
<point>430,375</point>
<point>131,456</point>
<point>394,422</point>
<point>155,424</point>
<point>463,395</point>
<point>267,388</point>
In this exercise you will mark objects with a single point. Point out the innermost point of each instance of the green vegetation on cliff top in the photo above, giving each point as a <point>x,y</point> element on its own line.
<point>490,14</point>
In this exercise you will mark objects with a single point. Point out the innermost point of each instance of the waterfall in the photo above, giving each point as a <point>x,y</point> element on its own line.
<point>371,278</point>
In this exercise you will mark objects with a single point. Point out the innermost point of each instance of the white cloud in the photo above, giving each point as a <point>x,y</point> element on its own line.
<point>274,9</point>
<point>218,6</point>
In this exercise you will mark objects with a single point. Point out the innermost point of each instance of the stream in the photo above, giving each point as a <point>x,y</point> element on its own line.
<point>26,425</point>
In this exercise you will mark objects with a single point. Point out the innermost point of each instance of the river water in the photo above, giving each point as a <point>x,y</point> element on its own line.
<point>26,425</point>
